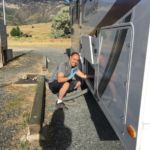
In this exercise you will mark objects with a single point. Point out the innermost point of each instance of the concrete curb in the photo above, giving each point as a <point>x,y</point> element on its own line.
<point>37,114</point>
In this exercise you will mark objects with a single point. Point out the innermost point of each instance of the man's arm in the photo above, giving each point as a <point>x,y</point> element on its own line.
<point>61,77</point>
<point>81,74</point>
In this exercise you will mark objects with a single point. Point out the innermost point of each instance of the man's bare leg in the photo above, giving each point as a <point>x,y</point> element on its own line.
<point>63,90</point>
<point>61,95</point>
<point>78,85</point>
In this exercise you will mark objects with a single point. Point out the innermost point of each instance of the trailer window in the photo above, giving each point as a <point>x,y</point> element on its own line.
<point>114,62</point>
<point>112,47</point>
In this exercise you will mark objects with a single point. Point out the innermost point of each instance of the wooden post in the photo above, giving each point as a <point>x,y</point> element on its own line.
<point>1,54</point>
<point>4,53</point>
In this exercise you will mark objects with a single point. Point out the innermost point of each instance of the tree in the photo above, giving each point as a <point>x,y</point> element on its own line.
<point>16,32</point>
<point>61,25</point>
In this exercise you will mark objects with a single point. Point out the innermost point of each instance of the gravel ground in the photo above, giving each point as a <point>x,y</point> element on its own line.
<point>82,127</point>
<point>14,69</point>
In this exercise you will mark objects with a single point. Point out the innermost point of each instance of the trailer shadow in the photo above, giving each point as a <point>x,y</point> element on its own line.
<point>103,128</point>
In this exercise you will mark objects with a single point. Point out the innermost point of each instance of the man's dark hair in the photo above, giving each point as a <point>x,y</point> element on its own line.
<point>74,53</point>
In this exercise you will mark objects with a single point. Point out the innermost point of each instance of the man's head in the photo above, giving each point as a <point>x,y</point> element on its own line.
<point>74,59</point>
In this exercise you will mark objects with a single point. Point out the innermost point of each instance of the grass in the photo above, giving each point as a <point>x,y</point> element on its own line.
<point>25,121</point>
<point>23,145</point>
<point>40,37</point>
<point>13,103</point>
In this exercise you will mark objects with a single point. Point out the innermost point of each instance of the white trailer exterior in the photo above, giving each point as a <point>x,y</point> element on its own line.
<point>113,37</point>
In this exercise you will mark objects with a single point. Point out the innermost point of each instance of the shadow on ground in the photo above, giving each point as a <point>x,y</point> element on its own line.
<point>103,128</point>
<point>57,135</point>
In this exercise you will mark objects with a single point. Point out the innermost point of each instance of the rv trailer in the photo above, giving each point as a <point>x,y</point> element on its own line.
<point>113,38</point>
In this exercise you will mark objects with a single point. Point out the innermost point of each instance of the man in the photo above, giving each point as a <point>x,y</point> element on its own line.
<point>62,80</point>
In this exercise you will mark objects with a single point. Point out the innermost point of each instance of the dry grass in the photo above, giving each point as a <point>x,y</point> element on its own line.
<point>18,99</point>
<point>22,101</point>
<point>40,37</point>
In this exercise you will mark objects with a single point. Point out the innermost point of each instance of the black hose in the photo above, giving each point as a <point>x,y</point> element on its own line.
<point>75,95</point>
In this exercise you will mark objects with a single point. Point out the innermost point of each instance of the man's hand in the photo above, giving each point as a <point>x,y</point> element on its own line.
<point>72,73</point>
<point>84,75</point>
<point>90,76</point>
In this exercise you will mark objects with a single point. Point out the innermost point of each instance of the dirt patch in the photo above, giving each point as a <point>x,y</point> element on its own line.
<point>16,113</point>
<point>16,101</point>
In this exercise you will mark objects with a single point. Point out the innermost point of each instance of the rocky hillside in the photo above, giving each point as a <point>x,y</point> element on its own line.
<point>30,11</point>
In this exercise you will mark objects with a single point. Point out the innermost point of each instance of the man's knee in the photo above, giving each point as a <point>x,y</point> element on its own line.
<point>78,83</point>
<point>66,85</point>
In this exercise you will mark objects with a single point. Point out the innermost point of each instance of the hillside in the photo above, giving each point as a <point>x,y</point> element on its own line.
<point>30,11</point>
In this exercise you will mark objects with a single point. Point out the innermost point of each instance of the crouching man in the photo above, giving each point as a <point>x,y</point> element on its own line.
<point>62,79</point>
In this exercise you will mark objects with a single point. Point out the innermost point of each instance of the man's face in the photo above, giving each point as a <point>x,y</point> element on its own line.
<point>74,60</point>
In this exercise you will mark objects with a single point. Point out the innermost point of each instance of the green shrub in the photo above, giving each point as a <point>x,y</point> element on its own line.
<point>61,25</point>
<point>16,32</point>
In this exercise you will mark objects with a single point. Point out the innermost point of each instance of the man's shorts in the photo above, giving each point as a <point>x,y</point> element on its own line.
<point>55,86</point>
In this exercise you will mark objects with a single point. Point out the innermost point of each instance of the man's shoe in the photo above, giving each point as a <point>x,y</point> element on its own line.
<point>61,106</point>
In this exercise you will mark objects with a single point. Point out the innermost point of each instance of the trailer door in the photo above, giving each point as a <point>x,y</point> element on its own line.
<point>89,54</point>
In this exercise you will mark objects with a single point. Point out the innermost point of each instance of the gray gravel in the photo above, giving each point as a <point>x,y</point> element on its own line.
<point>82,127</point>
